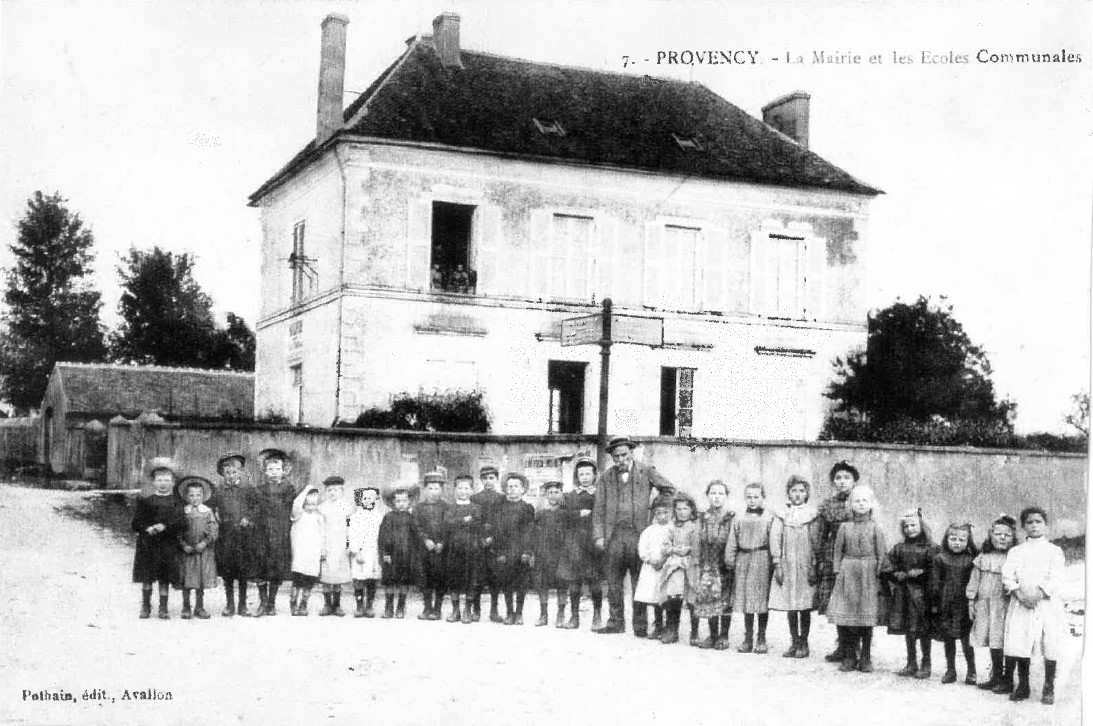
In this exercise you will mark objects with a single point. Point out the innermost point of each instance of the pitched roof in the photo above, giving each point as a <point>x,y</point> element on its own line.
<point>174,393</point>
<point>611,119</point>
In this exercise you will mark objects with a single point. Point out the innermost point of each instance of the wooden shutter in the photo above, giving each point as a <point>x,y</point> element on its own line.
<point>540,245</point>
<point>816,279</point>
<point>419,226</point>
<point>652,274</point>
<point>605,256</point>
<point>759,274</point>
<point>715,269</point>
<point>489,239</point>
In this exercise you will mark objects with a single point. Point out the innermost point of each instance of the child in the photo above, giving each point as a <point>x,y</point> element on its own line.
<point>462,538</point>
<point>747,553</point>
<point>236,506</point>
<point>581,561</point>
<point>948,598</point>
<point>399,543</point>
<point>834,511</point>
<point>364,534</point>
<point>197,569</point>
<point>1033,575</point>
<point>654,547</point>
<point>987,598</point>
<point>907,575</point>
<point>794,543</point>
<point>157,521</point>
<point>488,499</point>
<point>855,601</point>
<point>513,522</point>
<point>308,537</point>
<point>335,570</point>
<point>713,598</point>
<point>429,520</point>
<point>547,552</point>
<point>275,496</point>
<point>681,570</point>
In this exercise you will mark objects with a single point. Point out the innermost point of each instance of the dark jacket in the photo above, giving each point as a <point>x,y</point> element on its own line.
<point>617,502</point>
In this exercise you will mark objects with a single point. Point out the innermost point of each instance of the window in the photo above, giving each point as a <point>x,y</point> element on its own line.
<point>297,372</point>
<point>565,379</point>
<point>450,263</point>
<point>679,289</point>
<point>676,401</point>
<point>687,143</point>
<point>570,256</point>
<point>778,275</point>
<point>549,127</point>
<point>303,274</point>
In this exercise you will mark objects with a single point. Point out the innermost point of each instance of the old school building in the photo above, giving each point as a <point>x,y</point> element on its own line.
<point>435,233</point>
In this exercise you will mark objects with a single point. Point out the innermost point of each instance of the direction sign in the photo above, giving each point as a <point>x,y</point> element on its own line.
<point>634,329</point>
<point>583,330</point>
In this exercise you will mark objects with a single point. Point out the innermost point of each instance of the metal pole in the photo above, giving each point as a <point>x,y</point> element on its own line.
<point>605,377</point>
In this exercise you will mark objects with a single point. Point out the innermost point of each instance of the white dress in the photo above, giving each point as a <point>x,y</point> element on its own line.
<point>364,537</point>
<point>307,537</point>
<point>650,589</point>
<point>1036,563</point>
<point>335,570</point>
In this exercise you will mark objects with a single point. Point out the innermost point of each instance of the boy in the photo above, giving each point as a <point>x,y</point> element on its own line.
<point>488,499</point>
<point>236,506</point>
<point>581,562</point>
<point>157,521</point>
<point>364,565</point>
<point>398,545</point>
<point>549,536</point>
<point>429,520</point>
<point>513,522</point>
<point>335,570</point>
<point>275,496</point>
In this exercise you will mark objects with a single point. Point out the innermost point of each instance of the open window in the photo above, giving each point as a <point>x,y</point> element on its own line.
<point>676,401</point>
<point>566,382</point>
<point>450,263</point>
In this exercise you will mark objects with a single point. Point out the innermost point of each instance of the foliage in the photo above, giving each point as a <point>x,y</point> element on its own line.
<point>166,319</point>
<point>978,433</point>
<point>52,307</point>
<point>1078,417</point>
<point>450,411</point>
<point>270,416</point>
<point>919,365</point>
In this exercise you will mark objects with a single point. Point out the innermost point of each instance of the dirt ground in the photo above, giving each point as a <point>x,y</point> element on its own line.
<point>68,620</point>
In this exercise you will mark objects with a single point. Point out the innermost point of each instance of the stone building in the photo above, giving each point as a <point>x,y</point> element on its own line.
<point>436,232</point>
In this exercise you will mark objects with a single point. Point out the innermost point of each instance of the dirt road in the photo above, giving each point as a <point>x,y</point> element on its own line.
<point>68,615</point>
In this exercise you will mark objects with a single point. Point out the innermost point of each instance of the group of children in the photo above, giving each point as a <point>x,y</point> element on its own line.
<point>796,559</point>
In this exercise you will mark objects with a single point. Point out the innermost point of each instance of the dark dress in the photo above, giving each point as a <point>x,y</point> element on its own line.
<point>237,548</point>
<point>399,540</point>
<point>462,545</point>
<point>487,501</point>
<point>156,556</point>
<point>275,530</point>
<point>580,559</point>
<point>512,530</point>
<point>908,609</point>
<point>429,520</point>
<point>833,513</point>
<point>549,536</point>
<point>948,594</point>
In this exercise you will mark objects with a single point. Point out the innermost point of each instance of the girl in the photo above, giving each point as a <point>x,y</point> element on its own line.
<point>854,607</point>
<point>398,545</point>
<point>1033,575</point>
<point>275,496</point>
<point>680,572</point>
<point>463,535</point>
<point>747,553</point>
<point>335,570</point>
<point>513,523</point>
<point>549,535</point>
<point>654,547</point>
<point>794,543</point>
<point>236,505</point>
<point>713,595</point>
<point>157,521</point>
<point>364,550</point>
<point>834,511</point>
<point>196,538</point>
<point>581,561</point>
<point>987,598</point>
<point>948,599</point>
<point>907,575</point>
<point>308,535</point>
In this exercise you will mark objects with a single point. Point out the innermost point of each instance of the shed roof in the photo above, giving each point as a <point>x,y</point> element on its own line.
<point>609,119</point>
<point>103,389</point>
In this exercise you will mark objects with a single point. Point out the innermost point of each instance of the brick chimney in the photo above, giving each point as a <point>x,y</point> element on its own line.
<point>446,39</point>
<point>789,114</point>
<point>331,77</point>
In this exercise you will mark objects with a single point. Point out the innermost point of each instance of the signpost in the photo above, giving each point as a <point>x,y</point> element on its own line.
<point>605,329</point>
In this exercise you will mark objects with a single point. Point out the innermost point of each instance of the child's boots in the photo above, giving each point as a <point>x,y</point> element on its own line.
<point>761,640</point>
<point>495,616</point>
<point>723,637</point>
<point>711,639</point>
<point>748,645</point>
<point>925,665</point>
<point>241,603</point>
<point>1048,696</point>
<point>145,604</point>
<point>850,653</point>
<point>199,608</point>
<point>1005,686</point>
<point>597,619</point>
<point>694,641</point>
<point>229,600</point>
<point>293,601</point>
<point>544,616</point>
<point>658,622</point>
<point>263,596</point>
<point>304,595</point>
<point>358,595</point>
<point>369,600</point>
<point>328,604</point>
<point>950,662</point>
<point>802,648</point>
<point>1022,691</point>
<point>336,596</point>
<point>163,614</point>
<point>400,608</point>
<point>559,619</point>
<point>673,610</point>
<point>455,617</point>
<point>574,621</point>
<point>996,670</point>
<point>388,607</point>
<point>865,662</point>
<point>468,612</point>
<point>187,613</point>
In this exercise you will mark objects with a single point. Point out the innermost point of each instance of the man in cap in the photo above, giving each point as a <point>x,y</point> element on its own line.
<point>619,514</point>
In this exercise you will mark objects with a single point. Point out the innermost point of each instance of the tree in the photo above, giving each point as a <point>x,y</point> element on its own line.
<point>52,307</point>
<point>235,346</point>
<point>450,411</point>
<point>919,366</point>
<point>1078,417</point>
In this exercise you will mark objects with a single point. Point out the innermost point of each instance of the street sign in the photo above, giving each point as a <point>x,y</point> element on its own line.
<point>583,330</point>
<point>634,329</point>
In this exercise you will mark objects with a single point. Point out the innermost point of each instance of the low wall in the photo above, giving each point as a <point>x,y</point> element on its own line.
<point>949,484</point>
<point>19,440</point>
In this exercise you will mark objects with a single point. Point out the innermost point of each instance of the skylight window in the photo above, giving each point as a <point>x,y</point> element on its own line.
<point>688,143</point>
<point>549,127</point>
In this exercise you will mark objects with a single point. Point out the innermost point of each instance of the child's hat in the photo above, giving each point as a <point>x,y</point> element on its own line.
<point>489,469</point>
<point>334,481</point>
<point>162,462</point>
<point>435,476</point>
<point>184,485</point>
<point>274,455</point>
<point>552,484</point>
<point>389,491</point>
<point>228,457</point>
<point>662,500</point>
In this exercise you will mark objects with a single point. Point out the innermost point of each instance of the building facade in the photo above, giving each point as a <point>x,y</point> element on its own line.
<point>438,230</point>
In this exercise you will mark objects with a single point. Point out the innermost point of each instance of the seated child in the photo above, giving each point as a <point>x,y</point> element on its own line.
<point>157,520</point>
<point>334,573</point>
<point>364,534</point>
<point>463,539</point>
<point>680,570</point>
<point>654,547</point>
<point>987,600</point>
<point>547,552</point>
<point>398,543</point>
<point>747,554</point>
<point>197,569</point>
<point>307,536</point>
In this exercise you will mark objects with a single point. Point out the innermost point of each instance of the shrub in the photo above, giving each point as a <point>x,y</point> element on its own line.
<point>939,432</point>
<point>451,411</point>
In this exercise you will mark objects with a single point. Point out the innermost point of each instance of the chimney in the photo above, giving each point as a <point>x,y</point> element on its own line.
<point>331,77</point>
<point>789,114</point>
<point>446,39</point>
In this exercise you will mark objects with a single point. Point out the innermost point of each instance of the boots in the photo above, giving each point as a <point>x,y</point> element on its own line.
<point>1048,696</point>
<point>304,595</point>
<point>850,651</point>
<point>271,606</point>
<point>400,608</point>
<point>519,607</point>
<point>389,606</point>
<point>199,609</point>
<point>839,654</point>
<point>370,599</point>
<point>263,597</point>
<point>802,648</point>
<point>510,610</point>
<point>574,621</point>
<point>229,599</point>
<point>865,663</point>
<point>456,616</point>
<point>925,665</point>
<point>468,612</point>
<point>749,624</point>
<point>328,604</point>
<point>694,641</point>
<point>996,670</point>
<point>659,616</point>
<point>559,617</point>
<point>337,597</point>
<point>723,633</point>
<point>597,604</point>
<point>163,615</point>
<point>543,615</point>
<point>293,601</point>
<point>427,610</point>
<point>711,639</point>
<point>241,604</point>
<point>969,662</point>
<point>1022,691</point>
<point>495,616</point>
<point>950,662</point>
<point>187,613</point>
<point>794,635</point>
<point>673,610</point>
<point>1005,685</point>
<point>358,595</point>
<point>805,617</point>
<point>145,604</point>
<point>761,636</point>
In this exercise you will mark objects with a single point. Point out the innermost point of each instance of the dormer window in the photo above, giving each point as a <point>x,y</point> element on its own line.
<point>688,143</point>
<point>549,127</point>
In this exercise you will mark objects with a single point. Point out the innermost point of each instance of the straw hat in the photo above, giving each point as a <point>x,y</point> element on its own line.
<point>184,484</point>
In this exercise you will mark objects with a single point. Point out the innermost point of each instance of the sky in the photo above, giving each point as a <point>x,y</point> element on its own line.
<point>157,120</point>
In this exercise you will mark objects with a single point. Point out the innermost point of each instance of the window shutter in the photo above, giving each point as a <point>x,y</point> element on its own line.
<point>816,281</point>
<point>540,244</point>
<point>489,238</point>
<point>605,256</point>
<point>715,269</point>
<point>653,275</point>
<point>418,243</point>
<point>760,274</point>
